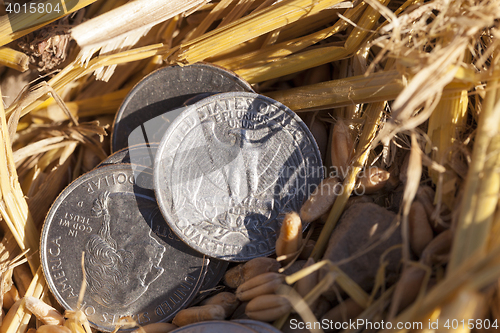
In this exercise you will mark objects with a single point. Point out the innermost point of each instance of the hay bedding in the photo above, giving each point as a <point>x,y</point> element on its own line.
<point>414,84</point>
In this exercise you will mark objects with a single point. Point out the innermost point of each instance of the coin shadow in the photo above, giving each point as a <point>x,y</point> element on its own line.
<point>162,112</point>
<point>160,230</point>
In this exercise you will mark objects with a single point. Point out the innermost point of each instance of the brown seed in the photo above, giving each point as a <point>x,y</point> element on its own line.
<point>244,272</point>
<point>290,237</point>
<point>227,300</point>
<point>425,195</point>
<point>53,329</point>
<point>268,307</point>
<point>372,180</point>
<point>321,200</point>
<point>407,289</point>
<point>156,328</point>
<point>44,312</point>
<point>346,310</point>
<point>437,252</point>
<point>342,147</point>
<point>199,313</point>
<point>421,232</point>
<point>263,284</point>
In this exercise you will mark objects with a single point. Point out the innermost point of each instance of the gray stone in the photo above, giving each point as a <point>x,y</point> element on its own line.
<point>368,229</point>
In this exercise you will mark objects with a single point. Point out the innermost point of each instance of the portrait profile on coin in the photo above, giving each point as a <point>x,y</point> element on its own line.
<point>121,264</point>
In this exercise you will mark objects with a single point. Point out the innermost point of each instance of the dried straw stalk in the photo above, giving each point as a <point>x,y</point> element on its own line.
<point>315,57</point>
<point>482,184</point>
<point>13,206</point>
<point>13,59</point>
<point>249,27</point>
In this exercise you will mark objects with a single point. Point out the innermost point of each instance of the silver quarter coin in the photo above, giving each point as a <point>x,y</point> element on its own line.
<point>227,170</point>
<point>258,326</point>
<point>214,326</point>
<point>134,264</point>
<point>156,101</point>
<point>140,158</point>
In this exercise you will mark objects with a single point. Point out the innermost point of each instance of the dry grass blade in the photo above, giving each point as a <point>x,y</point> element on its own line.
<point>14,59</point>
<point>344,281</point>
<point>314,57</point>
<point>75,71</point>
<point>248,27</point>
<point>414,172</point>
<point>376,87</point>
<point>238,11</point>
<point>14,209</point>
<point>449,35</point>
<point>20,322</point>
<point>283,49</point>
<point>211,17</point>
<point>122,27</point>
<point>299,305</point>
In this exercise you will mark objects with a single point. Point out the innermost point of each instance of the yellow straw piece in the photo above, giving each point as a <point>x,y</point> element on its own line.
<point>286,48</point>
<point>14,208</point>
<point>482,185</point>
<point>316,57</point>
<point>14,59</point>
<point>249,27</point>
<point>376,87</point>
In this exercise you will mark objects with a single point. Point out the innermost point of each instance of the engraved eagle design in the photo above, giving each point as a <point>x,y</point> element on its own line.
<point>232,177</point>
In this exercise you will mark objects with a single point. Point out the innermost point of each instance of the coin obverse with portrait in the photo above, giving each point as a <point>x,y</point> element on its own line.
<point>154,102</point>
<point>227,170</point>
<point>134,264</point>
